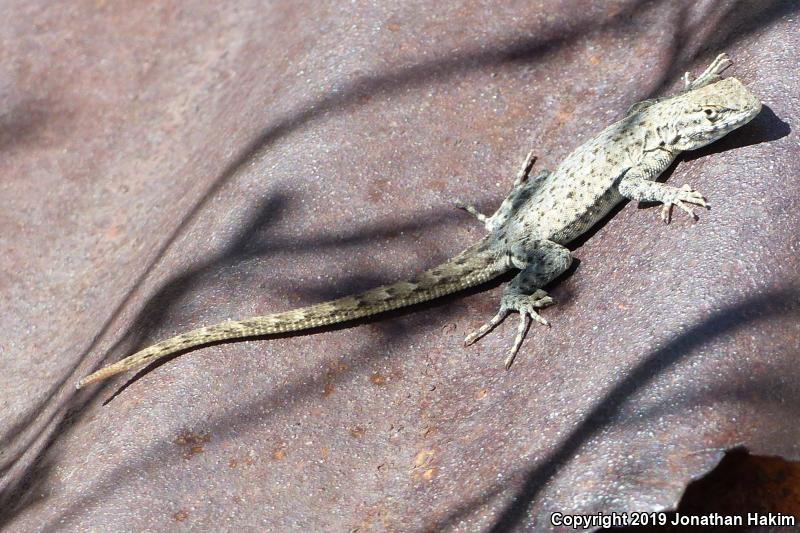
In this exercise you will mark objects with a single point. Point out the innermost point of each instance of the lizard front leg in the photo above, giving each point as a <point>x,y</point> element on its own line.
<point>541,262</point>
<point>635,187</point>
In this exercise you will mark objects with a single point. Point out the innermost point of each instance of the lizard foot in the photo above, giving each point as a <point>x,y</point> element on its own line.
<point>683,196</point>
<point>525,305</point>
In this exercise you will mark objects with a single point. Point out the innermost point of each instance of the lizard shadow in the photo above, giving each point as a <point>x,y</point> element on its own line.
<point>352,286</point>
<point>765,127</point>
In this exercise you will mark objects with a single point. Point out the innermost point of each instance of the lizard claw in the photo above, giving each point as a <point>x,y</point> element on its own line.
<point>487,327</point>
<point>683,196</point>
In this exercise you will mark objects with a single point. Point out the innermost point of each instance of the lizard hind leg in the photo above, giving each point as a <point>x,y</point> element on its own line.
<point>709,75</point>
<point>520,191</point>
<point>543,262</point>
<point>522,184</point>
<point>472,210</point>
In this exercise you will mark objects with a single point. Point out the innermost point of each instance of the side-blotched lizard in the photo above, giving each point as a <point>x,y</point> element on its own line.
<point>539,216</point>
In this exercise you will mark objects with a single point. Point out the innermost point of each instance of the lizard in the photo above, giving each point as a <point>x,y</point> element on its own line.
<point>534,223</point>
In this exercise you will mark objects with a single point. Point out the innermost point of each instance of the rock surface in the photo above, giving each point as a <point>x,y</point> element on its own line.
<point>166,165</point>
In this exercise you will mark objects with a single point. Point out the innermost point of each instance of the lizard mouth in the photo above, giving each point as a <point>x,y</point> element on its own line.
<point>743,118</point>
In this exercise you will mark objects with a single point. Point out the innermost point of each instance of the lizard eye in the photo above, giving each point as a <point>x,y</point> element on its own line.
<point>711,114</point>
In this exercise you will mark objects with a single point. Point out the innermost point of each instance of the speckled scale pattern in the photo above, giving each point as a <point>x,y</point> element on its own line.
<point>537,218</point>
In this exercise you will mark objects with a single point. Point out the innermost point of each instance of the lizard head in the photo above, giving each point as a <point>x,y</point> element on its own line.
<point>701,116</point>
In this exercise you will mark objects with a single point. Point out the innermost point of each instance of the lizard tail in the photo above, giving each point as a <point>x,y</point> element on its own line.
<point>475,265</point>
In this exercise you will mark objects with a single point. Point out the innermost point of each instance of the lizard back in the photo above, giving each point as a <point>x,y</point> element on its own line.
<point>581,190</point>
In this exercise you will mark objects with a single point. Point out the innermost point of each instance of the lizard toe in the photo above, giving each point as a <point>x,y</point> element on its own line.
<point>686,208</point>
<point>487,327</point>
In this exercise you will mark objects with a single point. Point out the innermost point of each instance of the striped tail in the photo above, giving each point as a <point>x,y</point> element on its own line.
<point>475,265</point>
